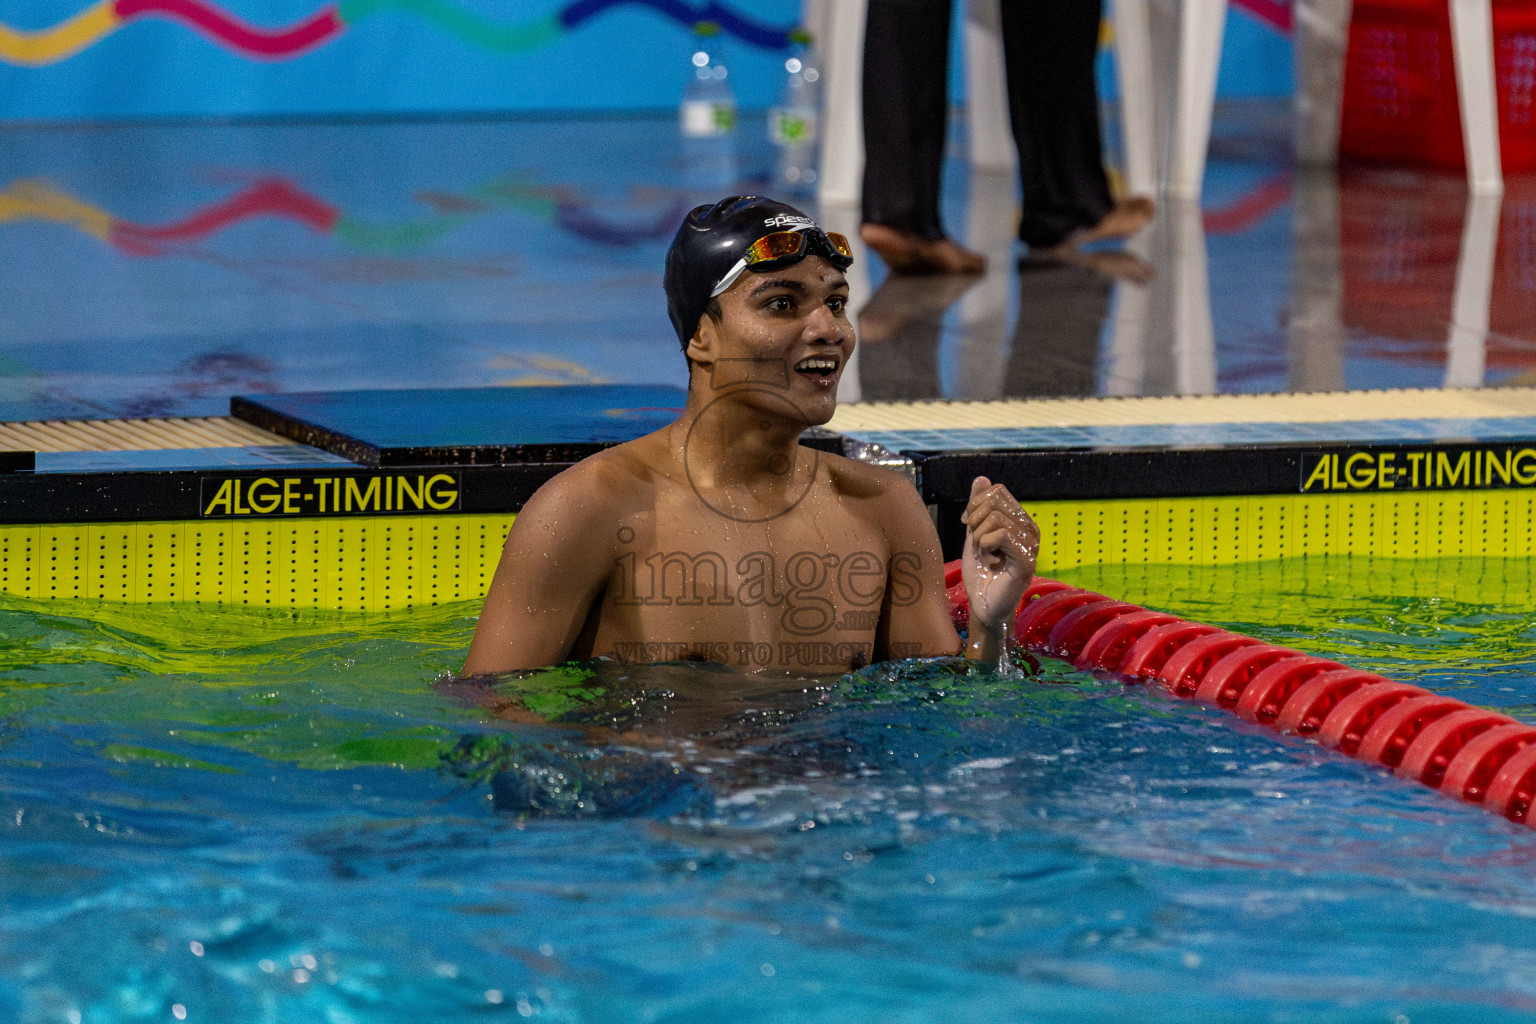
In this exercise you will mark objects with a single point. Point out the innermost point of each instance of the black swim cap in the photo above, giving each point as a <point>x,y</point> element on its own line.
<point>711,242</point>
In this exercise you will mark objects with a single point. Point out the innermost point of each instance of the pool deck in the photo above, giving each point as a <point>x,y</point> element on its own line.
<point>914,428</point>
<point>1213,421</point>
<point>1438,414</point>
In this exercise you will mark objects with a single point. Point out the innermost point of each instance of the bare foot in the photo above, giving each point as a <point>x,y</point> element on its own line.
<point>1126,218</point>
<point>906,253</point>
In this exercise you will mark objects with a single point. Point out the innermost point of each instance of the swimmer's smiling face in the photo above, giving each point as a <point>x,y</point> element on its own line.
<point>791,322</point>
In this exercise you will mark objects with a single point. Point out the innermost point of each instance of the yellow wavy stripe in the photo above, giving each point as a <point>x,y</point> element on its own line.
<point>62,40</point>
<point>40,200</point>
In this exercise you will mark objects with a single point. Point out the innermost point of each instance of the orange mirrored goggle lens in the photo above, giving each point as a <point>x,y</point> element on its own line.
<point>785,244</point>
<point>777,246</point>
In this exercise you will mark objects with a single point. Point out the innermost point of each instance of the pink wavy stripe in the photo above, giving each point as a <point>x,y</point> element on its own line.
<point>1274,13</point>
<point>266,198</point>
<point>248,39</point>
<point>1250,208</point>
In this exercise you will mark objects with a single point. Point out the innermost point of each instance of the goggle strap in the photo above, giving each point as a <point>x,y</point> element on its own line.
<point>729,278</point>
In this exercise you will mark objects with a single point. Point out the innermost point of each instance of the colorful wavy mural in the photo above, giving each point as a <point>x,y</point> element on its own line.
<point>67,38</point>
<point>275,198</point>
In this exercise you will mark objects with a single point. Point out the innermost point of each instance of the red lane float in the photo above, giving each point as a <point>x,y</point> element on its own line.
<point>1471,753</point>
<point>1347,723</point>
<point>1388,737</point>
<point>1076,627</point>
<point>1186,667</point>
<point>1429,755</point>
<point>1472,769</point>
<point>1223,685</point>
<point>1510,791</point>
<point>1148,655</point>
<point>1036,619</point>
<point>1112,641</point>
<point>1307,708</point>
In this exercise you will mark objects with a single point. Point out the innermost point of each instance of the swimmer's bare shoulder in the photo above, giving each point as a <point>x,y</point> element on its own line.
<point>914,617</point>
<point>558,557</point>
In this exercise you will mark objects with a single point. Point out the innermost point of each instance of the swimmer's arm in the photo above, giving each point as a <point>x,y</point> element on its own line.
<point>914,617</point>
<point>557,559</point>
<point>1001,542</point>
<point>1001,537</point>
<point>928,625</point>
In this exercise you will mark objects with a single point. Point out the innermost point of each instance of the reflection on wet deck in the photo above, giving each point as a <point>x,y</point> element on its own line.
<point>155,270</point>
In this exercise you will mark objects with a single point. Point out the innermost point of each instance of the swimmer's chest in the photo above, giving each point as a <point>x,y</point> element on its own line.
<point>807,586</point>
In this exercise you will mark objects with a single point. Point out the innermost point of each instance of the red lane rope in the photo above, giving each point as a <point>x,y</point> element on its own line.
<point>1471,753</point>
<point>248,39</point>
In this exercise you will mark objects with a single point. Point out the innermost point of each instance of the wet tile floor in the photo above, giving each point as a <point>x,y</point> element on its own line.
<point>154,270</point>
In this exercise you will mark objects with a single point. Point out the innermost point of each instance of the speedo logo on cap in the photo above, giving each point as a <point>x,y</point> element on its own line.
<point>786,220</point>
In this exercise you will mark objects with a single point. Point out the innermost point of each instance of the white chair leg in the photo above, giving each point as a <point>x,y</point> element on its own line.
<point>1194,346</point>
<point>1163,36</point>
<point>1201,24</point>
<point>842,137</point>
<point>1124,371</point>
<point>986,89</point>
<point>1138,115</point>
<point>1466,345</point>
<point>1321,34</point>
<point>814,18</point>
<point>1472,39</point>
<point>1315,329</point>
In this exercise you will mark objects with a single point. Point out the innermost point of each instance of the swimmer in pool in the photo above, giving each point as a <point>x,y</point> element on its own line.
<point>720,537</point>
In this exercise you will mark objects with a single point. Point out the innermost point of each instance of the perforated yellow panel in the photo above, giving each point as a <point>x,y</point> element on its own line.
<point>358,563</point>
<point>1220,531</point>
<point>386,562</point>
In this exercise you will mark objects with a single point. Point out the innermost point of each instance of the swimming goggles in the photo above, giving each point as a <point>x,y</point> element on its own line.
<point>785,247</point>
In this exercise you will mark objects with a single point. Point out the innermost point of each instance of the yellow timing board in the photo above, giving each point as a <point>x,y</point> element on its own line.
<point>310,494</point>
<point>356,563</point>
<point>1428,469</point>
<point>375,563</point>
<point>369,538</point>
<point>1256,528</point>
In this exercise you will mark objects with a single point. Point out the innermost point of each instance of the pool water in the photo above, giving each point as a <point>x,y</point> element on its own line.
<point>236,814</point>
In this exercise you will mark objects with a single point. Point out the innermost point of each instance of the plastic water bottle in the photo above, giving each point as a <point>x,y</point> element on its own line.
<point>707,115</point>
<point>794,124</point>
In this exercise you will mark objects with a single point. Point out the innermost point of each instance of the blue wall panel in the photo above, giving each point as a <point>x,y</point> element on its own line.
<point>1255,60</point>
<point>630,55</point>
<point>416,56</point>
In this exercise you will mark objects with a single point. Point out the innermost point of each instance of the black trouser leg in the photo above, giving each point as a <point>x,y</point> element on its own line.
<point>1053,102</point>
<point>906,75</point>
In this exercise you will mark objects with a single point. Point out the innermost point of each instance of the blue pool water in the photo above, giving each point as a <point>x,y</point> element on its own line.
<point>249,815</point>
